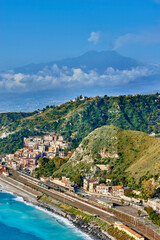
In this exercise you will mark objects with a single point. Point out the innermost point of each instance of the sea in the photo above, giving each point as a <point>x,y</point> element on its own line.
<point>20,220</point>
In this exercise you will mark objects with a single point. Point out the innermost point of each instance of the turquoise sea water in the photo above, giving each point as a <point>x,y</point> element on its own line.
<point>21,221</point>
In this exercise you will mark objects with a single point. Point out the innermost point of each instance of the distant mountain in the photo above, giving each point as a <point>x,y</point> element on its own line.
<point>93,73</point>
<point>92,60</point>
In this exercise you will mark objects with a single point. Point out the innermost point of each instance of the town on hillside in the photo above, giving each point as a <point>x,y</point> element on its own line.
<point>26,159</point>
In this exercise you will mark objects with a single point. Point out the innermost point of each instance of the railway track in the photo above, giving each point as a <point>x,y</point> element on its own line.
<point>75,201</point>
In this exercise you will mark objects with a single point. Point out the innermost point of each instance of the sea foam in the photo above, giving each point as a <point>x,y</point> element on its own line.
<point>60,219</point>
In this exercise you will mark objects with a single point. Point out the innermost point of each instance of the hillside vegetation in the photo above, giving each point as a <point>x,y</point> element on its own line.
<point>76,119</point>
<point>127,156</point>
<point>12,119</point>
<point>15,141</point>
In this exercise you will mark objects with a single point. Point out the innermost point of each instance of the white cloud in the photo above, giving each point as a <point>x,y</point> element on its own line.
<point>94,37</point>
<point>131,38</point>
<point>11,80</point>
<point>60,78</point>
<point>18,77</point>
<point>125,76</point>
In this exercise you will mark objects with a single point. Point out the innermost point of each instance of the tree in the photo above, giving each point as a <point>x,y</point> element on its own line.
<point>139,212</point>
<point>141,201</point>
<point>78,179</point>
<point>148,188</point>
<point>122,201</point>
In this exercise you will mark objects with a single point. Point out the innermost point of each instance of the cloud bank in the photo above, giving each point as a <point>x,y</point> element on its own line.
<point>131,38</point>
<point>71,78</point>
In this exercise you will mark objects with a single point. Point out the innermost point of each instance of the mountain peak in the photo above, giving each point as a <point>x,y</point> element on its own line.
<point>94,53</point>
<point>92,60</point>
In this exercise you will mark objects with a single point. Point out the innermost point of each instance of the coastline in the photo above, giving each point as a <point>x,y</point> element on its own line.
<point>92,231</point>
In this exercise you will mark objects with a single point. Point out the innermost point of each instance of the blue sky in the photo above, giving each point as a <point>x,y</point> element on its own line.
<point>33,31</point>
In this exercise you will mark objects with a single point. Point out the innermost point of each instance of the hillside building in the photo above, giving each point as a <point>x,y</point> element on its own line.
<point>103,189</point>
<point>64,182</point>
<point>90,184</point>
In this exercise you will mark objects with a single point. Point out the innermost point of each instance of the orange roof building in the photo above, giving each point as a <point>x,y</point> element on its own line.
<point>129,231</point>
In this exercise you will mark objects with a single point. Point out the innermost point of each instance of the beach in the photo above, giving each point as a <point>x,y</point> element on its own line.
<point>30,197</point>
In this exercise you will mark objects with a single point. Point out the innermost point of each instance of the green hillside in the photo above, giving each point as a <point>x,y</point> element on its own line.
<point>76,119</point>
<point>124,153</point>
<point>15,141</point>
<point>12,119</point>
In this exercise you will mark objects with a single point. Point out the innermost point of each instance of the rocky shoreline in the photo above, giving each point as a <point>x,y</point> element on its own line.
<point>90,229</point>
<point>93,231</point>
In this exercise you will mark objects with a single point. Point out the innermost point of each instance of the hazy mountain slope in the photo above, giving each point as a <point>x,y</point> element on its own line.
<point>93,73</point>
<point>91,60</point>
<point>121,151</point>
